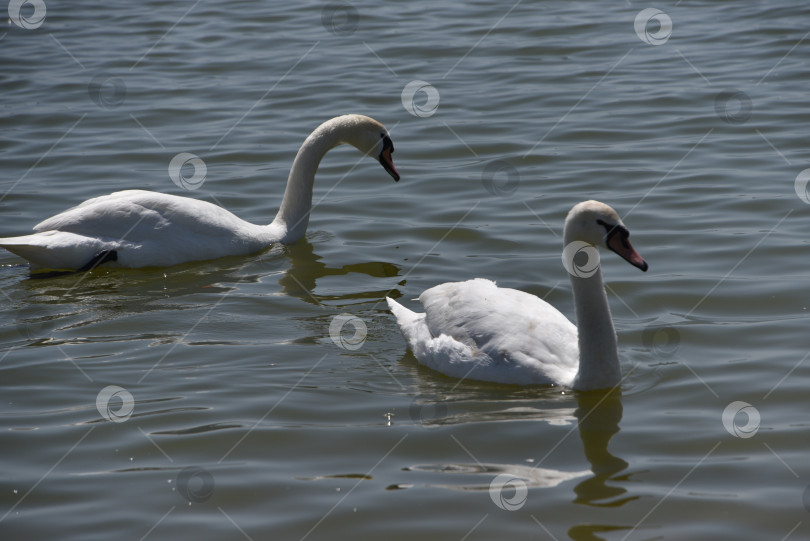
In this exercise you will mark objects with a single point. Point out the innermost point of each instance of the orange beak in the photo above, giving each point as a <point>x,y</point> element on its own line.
<point>618,241</point>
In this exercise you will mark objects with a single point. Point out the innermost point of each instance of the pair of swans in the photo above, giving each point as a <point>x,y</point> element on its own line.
<point>470,329</point>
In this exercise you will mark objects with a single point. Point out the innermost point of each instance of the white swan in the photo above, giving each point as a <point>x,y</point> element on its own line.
<point>479,331</point>
<point>138,228</point>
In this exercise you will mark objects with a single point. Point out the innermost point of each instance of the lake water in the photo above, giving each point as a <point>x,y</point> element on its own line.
<point>210,400</point>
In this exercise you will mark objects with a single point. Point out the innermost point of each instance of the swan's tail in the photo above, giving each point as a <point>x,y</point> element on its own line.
<point>412,324</point>
<point>57,250</point>
<point>442,353</point>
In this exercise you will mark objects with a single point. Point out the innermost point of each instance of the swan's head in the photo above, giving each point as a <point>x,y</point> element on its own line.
<point>369,137</point>
<point>598,224</point>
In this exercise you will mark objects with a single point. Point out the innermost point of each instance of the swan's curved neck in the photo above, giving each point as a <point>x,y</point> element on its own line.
<point>293,215</point>
<point>599,366</point>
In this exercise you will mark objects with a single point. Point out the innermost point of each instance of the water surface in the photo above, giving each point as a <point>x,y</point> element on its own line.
<point>234,414</point>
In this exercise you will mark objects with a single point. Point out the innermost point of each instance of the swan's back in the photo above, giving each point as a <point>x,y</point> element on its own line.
<point>138,214</point>
<point>497,334</point>
<point>142,228</point>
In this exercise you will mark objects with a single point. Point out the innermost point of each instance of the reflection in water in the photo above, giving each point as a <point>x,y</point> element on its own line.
<point>305,269</point>
<point>299,280</point>
<point>38,308</point>
<point>598,416</point>
<point>587,532</point>
<point>529,476</point>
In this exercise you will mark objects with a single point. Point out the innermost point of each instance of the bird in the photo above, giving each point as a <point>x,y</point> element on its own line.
<point>139,228</point>
<point>477,330</point>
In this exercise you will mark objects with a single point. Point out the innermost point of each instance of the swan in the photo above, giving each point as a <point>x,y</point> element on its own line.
<point>138,228</point>
<point>480,331</point>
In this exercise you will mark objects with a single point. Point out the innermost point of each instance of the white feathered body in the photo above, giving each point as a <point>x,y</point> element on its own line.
<point>477,330</point>
<point>145,228</point>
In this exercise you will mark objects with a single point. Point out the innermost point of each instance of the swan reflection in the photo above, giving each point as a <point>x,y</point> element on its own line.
<point>595,417</point>
<point>306,268</point>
